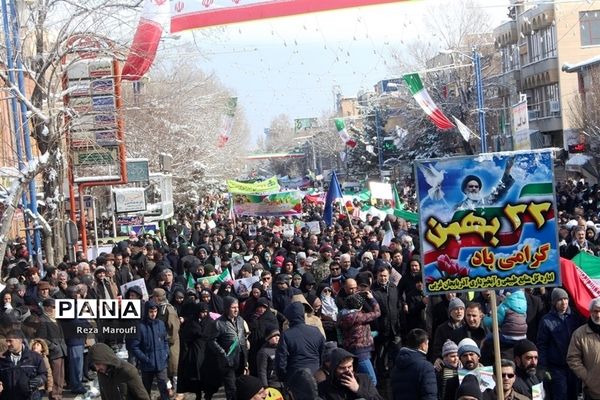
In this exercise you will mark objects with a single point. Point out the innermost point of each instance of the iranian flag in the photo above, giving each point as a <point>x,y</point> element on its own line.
<point>581,278</point>
<point>155,18</point>
<point>422,97</point>
<point>227,121</point>
<point>344,135</point>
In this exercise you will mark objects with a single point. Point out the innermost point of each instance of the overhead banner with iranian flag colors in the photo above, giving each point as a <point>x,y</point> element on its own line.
<point>422,97</point>
<point>155,18</point>
<point>488,222</point>
<point>192,14</point>
<point>343,133</point>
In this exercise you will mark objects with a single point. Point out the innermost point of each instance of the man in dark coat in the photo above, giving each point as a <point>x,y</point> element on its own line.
<point>343,383</point>
<point>282,293</point>
<point>118,380</point>
<point>230,345</point>
<point>52,332</point>
<point>151,347</point>
<point>388,324</point>
<point>413,377</point>
<point>554,335</point>
<point>301,346</point>
<point>22,371</point>
<point>526,369</point>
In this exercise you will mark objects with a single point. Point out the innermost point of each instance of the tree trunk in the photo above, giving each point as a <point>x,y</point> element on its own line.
<point>7,216</point>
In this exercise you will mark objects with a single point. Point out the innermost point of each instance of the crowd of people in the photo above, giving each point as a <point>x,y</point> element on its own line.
<point>330,313</point>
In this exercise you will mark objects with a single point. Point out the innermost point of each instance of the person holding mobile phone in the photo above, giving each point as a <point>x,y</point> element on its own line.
<point>343,382</point>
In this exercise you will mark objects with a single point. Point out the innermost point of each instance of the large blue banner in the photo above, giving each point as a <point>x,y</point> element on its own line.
<point>488,221</point>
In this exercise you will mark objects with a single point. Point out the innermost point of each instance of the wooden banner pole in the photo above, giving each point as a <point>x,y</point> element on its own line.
<point>497,354</point>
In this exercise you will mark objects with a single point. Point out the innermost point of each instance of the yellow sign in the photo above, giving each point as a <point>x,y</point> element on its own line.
<point>273,394</point>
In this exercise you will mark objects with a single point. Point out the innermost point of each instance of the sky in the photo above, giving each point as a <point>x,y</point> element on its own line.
<point>294,65</point>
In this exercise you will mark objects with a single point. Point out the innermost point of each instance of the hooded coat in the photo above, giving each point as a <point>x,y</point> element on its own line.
<point>332,389</point>
<point>309,314</point>
<point>512,316</point>
<point>151,346</point>
<point>413,377</point>
<point>300,346</point>
<point>122,380</point>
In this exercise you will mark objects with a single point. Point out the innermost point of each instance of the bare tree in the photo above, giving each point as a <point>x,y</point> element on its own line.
<point>585,111</point>
<point>180,112</point>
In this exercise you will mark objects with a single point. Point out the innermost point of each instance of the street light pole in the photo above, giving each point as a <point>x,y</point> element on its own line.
<point>480,111</point>
<point>379,144</point>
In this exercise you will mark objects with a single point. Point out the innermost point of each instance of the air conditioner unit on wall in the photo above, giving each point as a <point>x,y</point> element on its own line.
<point>554,106</point>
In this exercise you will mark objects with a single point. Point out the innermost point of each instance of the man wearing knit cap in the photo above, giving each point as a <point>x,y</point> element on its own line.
<point>456,315</point>
<point>469,354</point>
<point>248,387</point>
<point>526,360</point>
<point>554,333</point>
<point>469,389</point>
<point>449,369</point>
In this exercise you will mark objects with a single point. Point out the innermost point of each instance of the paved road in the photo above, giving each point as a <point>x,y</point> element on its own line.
<point>220,395</point>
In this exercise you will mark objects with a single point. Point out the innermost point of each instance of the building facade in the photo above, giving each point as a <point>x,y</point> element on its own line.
<point>533,45</point>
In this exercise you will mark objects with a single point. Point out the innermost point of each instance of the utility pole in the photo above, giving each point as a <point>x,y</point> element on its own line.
<point>480,110</point>
<point>379,144</point>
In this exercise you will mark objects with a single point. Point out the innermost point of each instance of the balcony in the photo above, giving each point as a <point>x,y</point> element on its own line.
<point>544,121</point>
<point>506,34</point>
<point>540,72</point>
<point>509,78</point>
<point>536,18</point>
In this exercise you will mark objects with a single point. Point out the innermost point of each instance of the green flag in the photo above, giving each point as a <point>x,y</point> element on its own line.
<point>234,345</point>
<point>190,281</point>
<point>223,277</point>
<point>398,205</point>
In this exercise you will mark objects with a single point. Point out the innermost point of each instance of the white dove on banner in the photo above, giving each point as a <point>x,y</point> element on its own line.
<point>434,178</point>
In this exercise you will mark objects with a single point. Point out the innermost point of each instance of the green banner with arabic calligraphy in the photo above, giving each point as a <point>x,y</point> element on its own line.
<point>488,222</point>
<point>267,186</point>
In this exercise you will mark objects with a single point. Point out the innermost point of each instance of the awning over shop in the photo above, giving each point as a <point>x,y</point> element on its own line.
<point>583,164</point>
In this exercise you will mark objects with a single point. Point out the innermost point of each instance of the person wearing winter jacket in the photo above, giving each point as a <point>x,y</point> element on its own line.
<point>300,347</point>
<point>22,371</point>
<point>343,383</point>
<point>151,348</point>
<point>554,334</point>
<point>231,345</point>
<point>355,327</point>
<point>117,379</point>
<point>413,377</point>
<point>512,320</point>
<point>265,360</point>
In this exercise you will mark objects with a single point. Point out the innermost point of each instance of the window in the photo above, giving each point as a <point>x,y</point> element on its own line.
<point>533,47</point>
<point>589,27</point>
<point>541,44</point>
<point>548,41</point>
<point>510,58</point>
